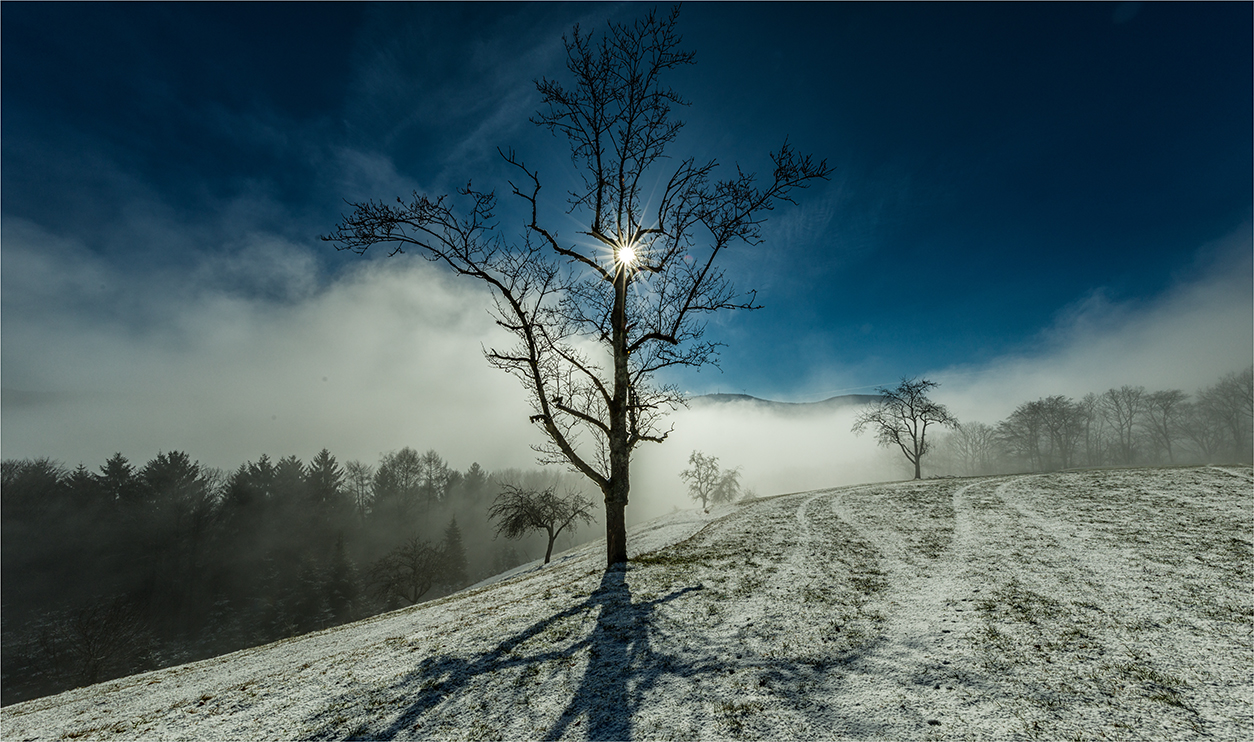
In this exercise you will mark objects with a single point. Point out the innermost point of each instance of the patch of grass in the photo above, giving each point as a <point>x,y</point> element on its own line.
<point>668,558</point>
<point>480,729</point>
<point>934,543</point>
<point>817,595</point>
<point>1225,612</point>
<point>869,582</point>
<point>1016,603</point>
<point>1155,684</point>
<point>749,585</point>
<point>736,713</point>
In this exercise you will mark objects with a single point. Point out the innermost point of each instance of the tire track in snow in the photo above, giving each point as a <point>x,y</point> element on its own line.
<point>1091,600</point>
<point>915,681</point>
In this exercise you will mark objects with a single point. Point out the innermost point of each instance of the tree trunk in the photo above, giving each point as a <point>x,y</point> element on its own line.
<point>615,533</point>
<point>619,442</point>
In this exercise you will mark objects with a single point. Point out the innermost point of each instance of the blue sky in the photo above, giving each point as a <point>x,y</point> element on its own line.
<point>1019,190</point>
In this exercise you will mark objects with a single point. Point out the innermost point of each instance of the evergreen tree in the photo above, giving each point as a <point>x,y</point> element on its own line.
<point>341,588</point>
<point>290,492</point>
<point>117,480</point>
<point>475,482</point>
<point>32,488</point>
<point>324,483</point>
<point>453,556</point>
<point>82,489</point>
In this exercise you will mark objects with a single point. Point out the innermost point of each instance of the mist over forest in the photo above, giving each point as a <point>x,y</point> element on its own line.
<point>128,567</point>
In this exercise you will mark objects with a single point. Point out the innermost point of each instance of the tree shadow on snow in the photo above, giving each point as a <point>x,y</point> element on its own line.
<point>622,665</point>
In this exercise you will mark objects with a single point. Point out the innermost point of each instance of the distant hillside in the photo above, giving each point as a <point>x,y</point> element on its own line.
<point>788,408</point>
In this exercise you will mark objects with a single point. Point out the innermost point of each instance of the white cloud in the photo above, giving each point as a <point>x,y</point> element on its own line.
<point>1186,338</point>
<point>387,356</point>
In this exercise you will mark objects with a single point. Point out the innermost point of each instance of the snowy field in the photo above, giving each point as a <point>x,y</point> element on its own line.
<point>1111,604</point>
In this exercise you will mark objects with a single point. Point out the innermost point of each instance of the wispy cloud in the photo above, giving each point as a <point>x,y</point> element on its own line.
<point>1196,331</point>
<point>385,356</point>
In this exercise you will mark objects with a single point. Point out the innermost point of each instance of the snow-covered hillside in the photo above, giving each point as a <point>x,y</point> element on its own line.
<point>1081,605</point>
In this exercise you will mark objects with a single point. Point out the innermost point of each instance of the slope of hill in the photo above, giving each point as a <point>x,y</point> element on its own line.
<point>1087,604</point>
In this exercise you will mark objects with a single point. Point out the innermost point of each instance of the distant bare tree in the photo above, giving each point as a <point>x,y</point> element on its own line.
<point>975,446</point>
<point>1020,433</point>
<point>519,511</point>
<point>1202,431</point>
<point>902,417</point>
<point>397,486</point>
<point>104,639</point>
<point>1163,420</point>
<point>707,483</point>
<point>434,476</point>
<point>358,481</point>
<point>1229,403</point>
<point>1063,420</point>
<point>1095,443</point>
<point>1123,408</point>
<point>560,297</point>
<point>407,572</point>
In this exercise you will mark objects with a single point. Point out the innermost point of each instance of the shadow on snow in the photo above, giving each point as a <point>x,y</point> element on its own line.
<point>622,666</point>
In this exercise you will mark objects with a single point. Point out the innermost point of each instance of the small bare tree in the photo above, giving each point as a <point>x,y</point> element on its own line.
<point>588,345</point>
<point>902,416</point>
<point>407,572</point>
<point>101,640</point>
<point>707,483</point>
<point>518,512</point>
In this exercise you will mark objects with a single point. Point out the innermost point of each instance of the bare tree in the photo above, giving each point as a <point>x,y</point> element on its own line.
<point>707,483</point>
<point>101,640</point>
<point>1094,430</point>
<point>520,511</point>
<point>407,572</point>
<point>1201,430</point>
<point>560,297</point>
<point>902,417</point>
<point>1063,420</point>
<point>975,445</point>
<point>1020,434</point>
<point>434,476</point>
<point>359,479</point>
<point>1228,403</point>
<point>1164,419</point>
<point>1122,408</point>
<point>397,486</point>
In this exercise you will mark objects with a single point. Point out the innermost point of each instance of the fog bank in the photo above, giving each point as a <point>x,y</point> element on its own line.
<point>98,360</point>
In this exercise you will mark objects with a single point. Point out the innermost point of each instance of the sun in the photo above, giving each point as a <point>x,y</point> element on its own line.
<point>627,254</point>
